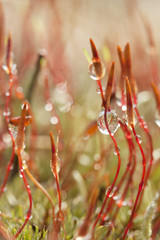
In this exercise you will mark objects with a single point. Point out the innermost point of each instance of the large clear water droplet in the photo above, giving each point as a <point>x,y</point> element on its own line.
<point>96,70</point>
<point>111,119</point>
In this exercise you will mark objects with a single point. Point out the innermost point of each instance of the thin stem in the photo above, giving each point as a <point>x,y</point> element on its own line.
<point>58,189</point>
<point>131,147</point>
<point>125,190</point>
<point>141,185</point>
<point>145,127</point>
<point>28,216</point>
<point>9,167</point>
<point>39,186</point>
<point>99,84</point>
<point>117,172</point>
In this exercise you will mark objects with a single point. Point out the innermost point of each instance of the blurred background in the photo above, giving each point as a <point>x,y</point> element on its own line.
<point>63,29</point>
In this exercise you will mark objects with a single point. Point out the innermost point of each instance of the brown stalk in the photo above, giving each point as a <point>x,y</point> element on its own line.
<point>130,113</point>
<point>157,95</point>
<point>108,90</point>
<point>128,70</point>
<point>94,51</point>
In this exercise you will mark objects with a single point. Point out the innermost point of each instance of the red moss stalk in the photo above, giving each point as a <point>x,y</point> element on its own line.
<point>7,111</point>
<point>106,105</point>
<point>19,151</point>
<point>131,124</point>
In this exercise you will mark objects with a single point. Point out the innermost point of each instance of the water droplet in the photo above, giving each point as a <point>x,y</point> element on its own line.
<point>5,68</point>
<point>96,70</point>
<point>121,203</point>
<point>61,87</point>
<point>4,189</point>
<point>20,173</point>
<point>19,92</point>
<point>86,137</point>
<point>14,69</point>
<point>124,108</point>
<point>116,197</point>
<point>97,166</point>
<point>157,121</point>
<point>6,113</point>
<point>6,138</point>
<point>109,192</point>
<point>7,94</point>
<point>28,218</point>
<point>111,119</point>
<point>13,130</point>
<point>10,167</point>
<point>84,160</point>
<point>86,237</point>
<point>65,107</point>
<point>54,120</point>
<point>48,107</point>
<point>139,138</point>
<point>99,91</point>
<point>115,151</point>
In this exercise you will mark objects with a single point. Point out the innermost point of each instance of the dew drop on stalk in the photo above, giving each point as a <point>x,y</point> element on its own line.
<point>13,130</point>
<point>111,119</point>
<point>86,237</point>
<point>121,203</point>
<point>110,193</point>
<point>14,69</point>
<point>6,138</point>
<point>96,70</point>
<point>7,94</point>
<point>99,91</point>
<point>48,107</point>
<point>19,92</point>
<point>115,152</point>
<point>116,197</point>
<point>97,166</point>
<point>20,174</point>
<point>28,218</point>
<point>139,138</point>
<point>6,113</point>
<point>4,189</point>
<point>157,119</point>
<point>11,167</point>
<point>124,108</point>
<point>54,120</point>
<point>5,68</point>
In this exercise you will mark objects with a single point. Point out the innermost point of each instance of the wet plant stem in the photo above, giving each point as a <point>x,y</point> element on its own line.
<point>6,111</point>
<point>141,185</point>
<point>40,187</point>
<point>131,149</point>
<point>28,216</point>
<point>117,172</point>
<point>145,127</point>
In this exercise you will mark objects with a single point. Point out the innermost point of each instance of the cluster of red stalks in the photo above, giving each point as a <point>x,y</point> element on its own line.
<point>127,103</point>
